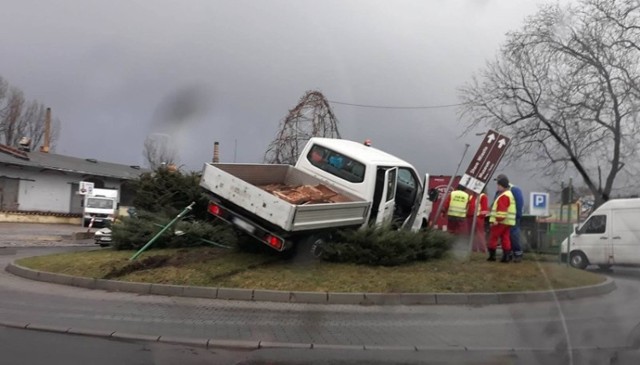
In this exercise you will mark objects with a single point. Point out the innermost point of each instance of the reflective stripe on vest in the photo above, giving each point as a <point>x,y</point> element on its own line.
<point>458,204</point>
<point>509,215</point>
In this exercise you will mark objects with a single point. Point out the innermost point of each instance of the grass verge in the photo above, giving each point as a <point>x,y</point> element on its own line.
<point>220,268</point>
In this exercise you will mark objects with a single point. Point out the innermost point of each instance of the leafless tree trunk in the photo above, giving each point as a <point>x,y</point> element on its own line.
<point>566,88</point>
<point>157,152</point>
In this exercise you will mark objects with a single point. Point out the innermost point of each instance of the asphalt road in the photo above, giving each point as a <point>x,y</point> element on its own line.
<point>576,331</point>
<point>43,348</point>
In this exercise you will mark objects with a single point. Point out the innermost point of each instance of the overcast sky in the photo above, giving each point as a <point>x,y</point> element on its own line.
<point>111,70</point>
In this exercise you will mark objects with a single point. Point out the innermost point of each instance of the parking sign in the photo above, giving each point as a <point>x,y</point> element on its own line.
<point>539,204</point>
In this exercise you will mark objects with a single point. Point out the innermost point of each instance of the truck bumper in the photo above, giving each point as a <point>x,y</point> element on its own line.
<point>249,227</point>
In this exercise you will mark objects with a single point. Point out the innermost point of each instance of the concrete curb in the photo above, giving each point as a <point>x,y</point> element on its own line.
<point>317,297</point>
<point>210,343</point>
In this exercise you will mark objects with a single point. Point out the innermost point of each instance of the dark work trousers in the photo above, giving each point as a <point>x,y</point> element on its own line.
<point>515,239</point>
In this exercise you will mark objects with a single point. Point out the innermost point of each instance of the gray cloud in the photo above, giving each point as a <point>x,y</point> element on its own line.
<point>116,71</point>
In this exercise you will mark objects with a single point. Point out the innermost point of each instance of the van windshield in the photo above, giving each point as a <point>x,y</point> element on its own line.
<point>336,164</point>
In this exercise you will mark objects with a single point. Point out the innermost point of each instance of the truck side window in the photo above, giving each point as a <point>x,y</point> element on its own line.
<point>391,187</point>
<point>596,224</point>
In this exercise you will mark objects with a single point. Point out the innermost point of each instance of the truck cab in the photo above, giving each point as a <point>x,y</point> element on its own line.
<point>391,184</point>
<point>99,207</point>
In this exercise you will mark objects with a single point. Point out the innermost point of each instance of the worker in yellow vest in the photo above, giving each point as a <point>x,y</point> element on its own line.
<point>456,209</point>
<point>503,217</point>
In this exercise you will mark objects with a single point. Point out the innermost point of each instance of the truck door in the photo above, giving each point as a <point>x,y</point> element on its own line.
<point>387,203</point>
<point>625,236</point>
<point>421,209</point>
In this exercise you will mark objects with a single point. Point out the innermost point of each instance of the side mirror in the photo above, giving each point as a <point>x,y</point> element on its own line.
<point>576,229</point>
<point>433,194</point>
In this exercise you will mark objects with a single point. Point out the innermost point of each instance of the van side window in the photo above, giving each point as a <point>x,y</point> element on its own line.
<point>595,224</point>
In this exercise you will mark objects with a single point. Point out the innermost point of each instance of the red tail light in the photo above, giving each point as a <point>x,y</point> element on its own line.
<point>214,209</point>
<point>274,241</point>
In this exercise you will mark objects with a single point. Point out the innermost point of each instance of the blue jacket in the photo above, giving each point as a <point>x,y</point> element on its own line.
<point>517,195</point>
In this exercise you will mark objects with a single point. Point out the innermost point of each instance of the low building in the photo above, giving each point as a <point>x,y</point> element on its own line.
<point>47,184</point>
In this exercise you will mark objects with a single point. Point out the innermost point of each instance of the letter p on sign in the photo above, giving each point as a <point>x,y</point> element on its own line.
<point>539,204</point>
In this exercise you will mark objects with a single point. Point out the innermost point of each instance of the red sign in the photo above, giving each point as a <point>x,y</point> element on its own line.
<point>485,161</point>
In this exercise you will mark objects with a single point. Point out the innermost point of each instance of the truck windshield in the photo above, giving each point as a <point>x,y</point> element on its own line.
<point>99,203</point>
<point>336,164</point>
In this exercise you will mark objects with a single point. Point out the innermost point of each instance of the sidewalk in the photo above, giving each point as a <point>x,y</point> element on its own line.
<point>41,235</point>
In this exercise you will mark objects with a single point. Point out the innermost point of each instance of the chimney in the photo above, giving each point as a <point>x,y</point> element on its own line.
<point>216,152</point>
<point>47,132</point>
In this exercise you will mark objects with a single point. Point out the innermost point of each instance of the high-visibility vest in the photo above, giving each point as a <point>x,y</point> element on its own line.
<point>458,204</point>
<point>509,215</point>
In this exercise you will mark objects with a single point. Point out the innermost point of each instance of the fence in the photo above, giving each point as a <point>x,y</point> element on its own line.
<point>544,237</point>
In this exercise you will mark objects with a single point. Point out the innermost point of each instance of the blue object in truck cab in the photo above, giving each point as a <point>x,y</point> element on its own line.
<point>336,161</point>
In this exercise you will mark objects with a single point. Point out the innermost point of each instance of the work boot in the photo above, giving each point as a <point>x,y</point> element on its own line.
<point>506,256</point>
<point>492,255</point>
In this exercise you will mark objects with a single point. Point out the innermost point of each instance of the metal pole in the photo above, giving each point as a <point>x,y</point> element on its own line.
<point>151,241</point>
<point>437,215</point>
<point>561,200</point>
<point>473,223</point>
<point>570,200</point>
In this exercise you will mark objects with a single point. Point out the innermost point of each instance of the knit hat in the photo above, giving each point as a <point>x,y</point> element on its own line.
<point>501,176</point>
<point>503,181</point>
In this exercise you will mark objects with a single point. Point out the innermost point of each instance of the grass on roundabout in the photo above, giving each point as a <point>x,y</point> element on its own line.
<point>207,266</point>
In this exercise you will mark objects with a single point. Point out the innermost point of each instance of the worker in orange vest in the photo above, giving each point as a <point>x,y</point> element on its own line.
<point>456,209</point>
<point>503,217</point>
<point>479,236</point>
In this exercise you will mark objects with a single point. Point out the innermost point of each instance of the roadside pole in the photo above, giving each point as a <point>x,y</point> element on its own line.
<point>439,210</point>
<point>151,241</point>
<point>569,219</point>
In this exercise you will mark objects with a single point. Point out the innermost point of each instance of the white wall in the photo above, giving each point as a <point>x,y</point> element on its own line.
<point>47,191</point>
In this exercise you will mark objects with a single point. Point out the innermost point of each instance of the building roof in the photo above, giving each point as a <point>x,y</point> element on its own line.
<point>52,161</point>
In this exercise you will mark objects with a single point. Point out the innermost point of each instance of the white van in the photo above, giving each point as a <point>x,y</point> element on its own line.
<point>610,236</point>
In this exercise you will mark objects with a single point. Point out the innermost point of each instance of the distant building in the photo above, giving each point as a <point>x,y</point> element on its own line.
<point>42,182</point>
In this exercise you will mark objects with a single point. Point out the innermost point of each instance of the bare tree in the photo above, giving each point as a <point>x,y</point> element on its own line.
<point>32,123</point>
<point>312,117</point>
<point>158,152</point>
<point>566,88</point>
<point>19,118</point>
<point>11,126</point>
<point>4,86</point>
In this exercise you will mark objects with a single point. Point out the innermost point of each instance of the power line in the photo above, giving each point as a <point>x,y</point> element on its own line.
<point>395,107</point>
